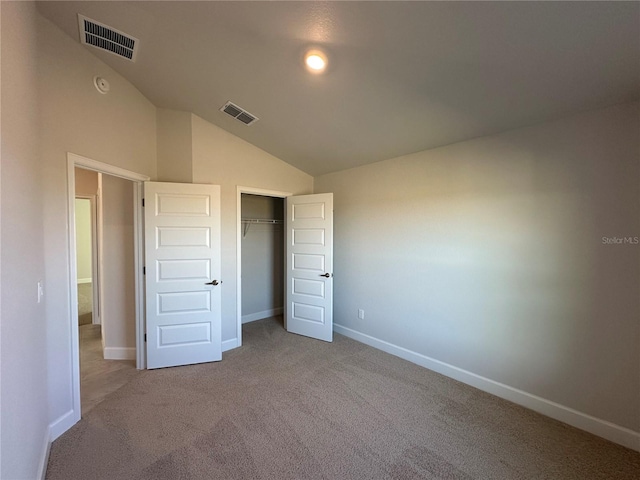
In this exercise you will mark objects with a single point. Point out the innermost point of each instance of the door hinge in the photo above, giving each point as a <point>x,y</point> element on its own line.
<point>143,202</point>
<point>145,337</point>
<point>144,270</point>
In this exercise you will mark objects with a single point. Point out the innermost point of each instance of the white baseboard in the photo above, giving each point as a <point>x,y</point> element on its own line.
<point>44,456</point>
<point>229,344</point>
<point>119,353</point>
<point>84,280</point>
<point>583,421</point>
<point>62,424</point>
<point>252,317</point>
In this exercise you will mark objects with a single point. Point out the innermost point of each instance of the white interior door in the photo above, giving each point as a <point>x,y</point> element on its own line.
<point>309,266</point>
<point>182,261</point>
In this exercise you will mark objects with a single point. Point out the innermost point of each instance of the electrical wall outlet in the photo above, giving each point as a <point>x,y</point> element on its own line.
<point>361,314</point>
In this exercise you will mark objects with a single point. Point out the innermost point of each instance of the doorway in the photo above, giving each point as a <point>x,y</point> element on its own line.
<point>260,255</point>
<point>107,341</point>
<point>133,188</point>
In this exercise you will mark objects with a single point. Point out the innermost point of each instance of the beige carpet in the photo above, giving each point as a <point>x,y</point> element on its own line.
<point>287,407</point>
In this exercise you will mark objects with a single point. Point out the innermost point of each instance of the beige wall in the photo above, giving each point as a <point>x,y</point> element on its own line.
<point>24,415</point>
<point>488,255</point>
<point>223,159</point>
<point>118,268</point>
<point>174,146</point>
<point>118,128</point>
<point>86,182</point>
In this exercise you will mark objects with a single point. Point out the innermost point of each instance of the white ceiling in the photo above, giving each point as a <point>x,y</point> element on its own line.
<point>403,76</point>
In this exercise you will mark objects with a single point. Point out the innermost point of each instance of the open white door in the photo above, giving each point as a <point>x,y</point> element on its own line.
<point>309,266</point>
<point>182,262</point>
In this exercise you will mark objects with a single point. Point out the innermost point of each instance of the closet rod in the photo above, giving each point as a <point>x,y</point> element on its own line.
<point>267,221</point>
<point>262,220</point>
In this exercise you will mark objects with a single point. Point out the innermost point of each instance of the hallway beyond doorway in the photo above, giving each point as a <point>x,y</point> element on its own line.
<point>99,377</point>
<point>85,303</point>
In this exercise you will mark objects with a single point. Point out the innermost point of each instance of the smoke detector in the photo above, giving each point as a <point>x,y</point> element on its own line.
<point>101,84</point>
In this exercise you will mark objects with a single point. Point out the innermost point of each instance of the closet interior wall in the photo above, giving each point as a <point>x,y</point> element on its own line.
<point>262,257</point>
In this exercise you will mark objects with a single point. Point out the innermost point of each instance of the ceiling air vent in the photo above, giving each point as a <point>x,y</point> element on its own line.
<point>106,38</point>
<point>239,114</point>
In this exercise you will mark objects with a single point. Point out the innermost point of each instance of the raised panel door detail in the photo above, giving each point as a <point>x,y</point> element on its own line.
<point>183,237</point>
<point>305,261</point>
<point>171,270</point>
<point>182,255</point>
<point>308,211</point>
<point>308,313</point>
<point>184,302</point>
<point>183,205</point>
<point>312,288</point>
<point>309,266</point>
<point>184,334</point>
<point>308,236</point>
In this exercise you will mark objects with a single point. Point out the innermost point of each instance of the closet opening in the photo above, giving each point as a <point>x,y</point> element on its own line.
<point>262,257</point>
<point>261,246</point>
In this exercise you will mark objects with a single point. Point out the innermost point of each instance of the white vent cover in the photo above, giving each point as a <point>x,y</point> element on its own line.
<point>106,38</point>
<point>239,113</point>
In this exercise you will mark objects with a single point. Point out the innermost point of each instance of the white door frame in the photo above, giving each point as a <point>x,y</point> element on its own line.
<point>74,161</point>
<point>252,191</point>
<point>95,274</point>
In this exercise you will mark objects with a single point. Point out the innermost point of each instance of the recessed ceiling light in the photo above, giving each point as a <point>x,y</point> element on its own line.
<point>316,61</point>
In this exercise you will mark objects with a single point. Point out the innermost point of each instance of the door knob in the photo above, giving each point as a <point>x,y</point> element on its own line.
<point>326,275</point>
<point>213,282</point>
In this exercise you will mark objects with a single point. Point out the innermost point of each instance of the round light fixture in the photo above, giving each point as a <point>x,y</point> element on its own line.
<point>316,61</point>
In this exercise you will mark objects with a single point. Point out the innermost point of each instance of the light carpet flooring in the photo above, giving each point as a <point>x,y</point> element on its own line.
<point>99,377</point>
<point>287,407</point>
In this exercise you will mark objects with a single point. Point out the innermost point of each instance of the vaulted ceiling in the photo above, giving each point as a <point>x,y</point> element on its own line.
<point>402,76</point>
